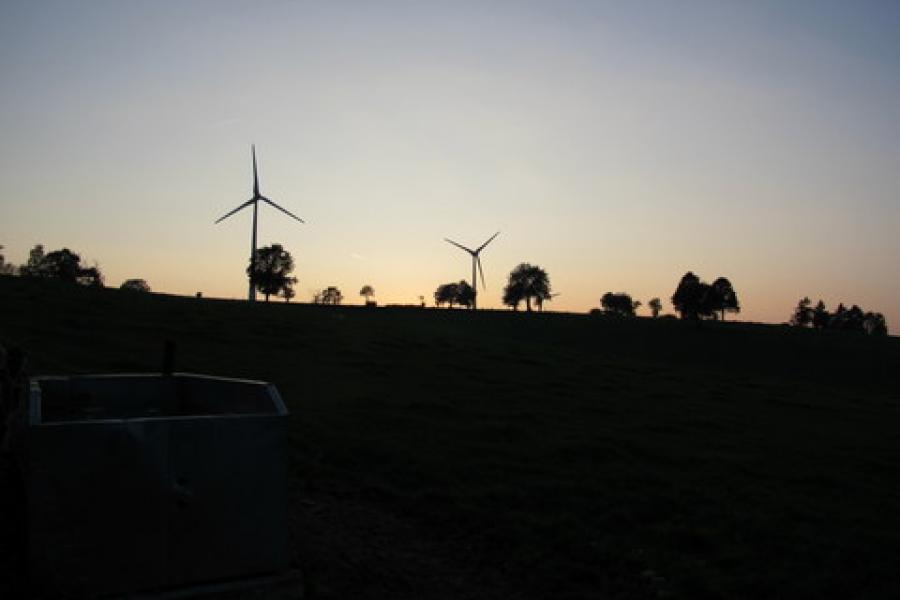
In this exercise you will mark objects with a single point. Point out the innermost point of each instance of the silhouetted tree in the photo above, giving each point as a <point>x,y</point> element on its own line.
<point>875,324</point>
<point>689,295</point>
<point>838,317</point>
<point>843,318</point>
<point>135,285</point>
<point>526,282</point>
<point>270,270</point>
<point>465,295</point>
<point>90,277</point>
<point>847,319</point>
<point>367,292</point>
<point>723,297</point>
<point>288,291</point>
<point>655,307</point>
<point>32,267</point>
<point>820,316</point>
<point>331,295</point>
<point>445,294</point>
<point>540,301</point>
<point>454,293</point>
<point>619,304</point>
<point>513,295</point>
<point>61,264</point>
<point>854,319</point>
<point>803,314</point>
<point>694,299</point>
<point>5,267</point>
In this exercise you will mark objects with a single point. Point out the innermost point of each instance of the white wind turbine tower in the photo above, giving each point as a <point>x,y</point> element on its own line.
<point>251,295</point>
<point>476,263</point>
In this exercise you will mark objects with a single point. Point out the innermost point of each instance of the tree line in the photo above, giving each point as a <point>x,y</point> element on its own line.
<point>59,264</point>
<point>843,318</point>
<point>693,300</point>
<point>272,267</point>
<point>64,265</point>
<point>528,284</point>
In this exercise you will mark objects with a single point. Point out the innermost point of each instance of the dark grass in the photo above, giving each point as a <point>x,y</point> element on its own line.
<point>444,454</point>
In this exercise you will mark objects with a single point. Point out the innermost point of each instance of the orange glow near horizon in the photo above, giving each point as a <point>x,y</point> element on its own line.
<point>615,146</point>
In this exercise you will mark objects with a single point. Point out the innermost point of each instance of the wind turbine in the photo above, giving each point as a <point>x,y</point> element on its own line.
<point>476,263</point>
<point>251,295</point>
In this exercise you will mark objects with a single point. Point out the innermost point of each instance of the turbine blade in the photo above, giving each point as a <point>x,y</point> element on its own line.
<point>284,210</point>
<point>490,239</point>
<point>459,246</point>
<point>481,270</point>
<point>244,205</point>
<point>255,178</point>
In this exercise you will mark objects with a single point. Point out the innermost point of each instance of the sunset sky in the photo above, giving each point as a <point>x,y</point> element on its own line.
<point>617,145</point>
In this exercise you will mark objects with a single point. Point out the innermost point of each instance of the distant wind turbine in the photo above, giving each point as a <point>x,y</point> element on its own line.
<point>476,263</point>
<point>251,295</point>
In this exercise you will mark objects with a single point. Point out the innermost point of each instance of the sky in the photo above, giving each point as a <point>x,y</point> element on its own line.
<point>616,145</point>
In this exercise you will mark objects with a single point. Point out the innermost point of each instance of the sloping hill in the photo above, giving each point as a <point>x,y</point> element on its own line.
<point>444,454</point>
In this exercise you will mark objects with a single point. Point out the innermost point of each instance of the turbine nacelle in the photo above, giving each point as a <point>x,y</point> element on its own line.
<point>257,197</point>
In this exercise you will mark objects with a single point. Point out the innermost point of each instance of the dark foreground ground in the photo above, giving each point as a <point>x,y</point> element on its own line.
<point>443,454</point>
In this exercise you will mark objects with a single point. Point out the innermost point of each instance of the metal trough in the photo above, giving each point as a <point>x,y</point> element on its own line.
<point>137,483</point>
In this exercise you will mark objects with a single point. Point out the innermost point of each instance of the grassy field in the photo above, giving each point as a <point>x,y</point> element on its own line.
<point>445,454</point>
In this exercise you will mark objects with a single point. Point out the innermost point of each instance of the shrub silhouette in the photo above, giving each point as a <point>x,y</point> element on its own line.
<point>135,285</point>
<point>330,296</point>
<point>620,304</point>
